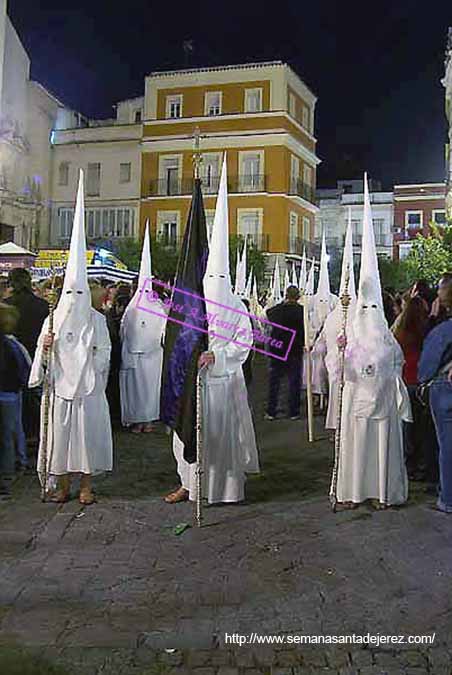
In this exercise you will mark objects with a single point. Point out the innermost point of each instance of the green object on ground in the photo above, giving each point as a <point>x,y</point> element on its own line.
<point>180,529</point>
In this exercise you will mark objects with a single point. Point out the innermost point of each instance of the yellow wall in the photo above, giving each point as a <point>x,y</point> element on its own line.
<point>299,105</point>
<point>233,100</point>
<point>219,125</point>
<point>277,162</point>
<point>275,215</point>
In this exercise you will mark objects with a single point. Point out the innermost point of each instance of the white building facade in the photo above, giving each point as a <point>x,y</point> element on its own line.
<point>335,206</point>
<point>109,153</point>
<point>28,113</point>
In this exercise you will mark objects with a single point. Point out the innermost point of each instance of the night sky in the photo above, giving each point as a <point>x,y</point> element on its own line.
<point>375,67</point>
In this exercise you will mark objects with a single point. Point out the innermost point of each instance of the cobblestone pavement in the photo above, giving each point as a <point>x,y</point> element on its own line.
<point>112,589</point>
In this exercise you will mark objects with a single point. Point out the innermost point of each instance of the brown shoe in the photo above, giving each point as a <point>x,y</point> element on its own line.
<point>180,495</point>
<point>63,492</point>
<point>86,496</point>
<point>147,428</point>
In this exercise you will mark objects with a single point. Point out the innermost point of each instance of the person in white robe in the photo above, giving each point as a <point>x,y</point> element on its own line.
<point>375,400</point>
<point>321,304</point>
<point>79,439</point>
<point>141,336</point>
<point>229,440</point>
<point>333,327</point>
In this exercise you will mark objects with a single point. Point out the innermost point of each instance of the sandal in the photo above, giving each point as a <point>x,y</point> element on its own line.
<point>179,495</point>
<point>86,497</point>
<point>147,428</point>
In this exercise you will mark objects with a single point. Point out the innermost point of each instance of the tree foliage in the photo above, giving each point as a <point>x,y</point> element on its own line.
<point>254,258</point>
<point>164,259</point>
<point>430,257</point>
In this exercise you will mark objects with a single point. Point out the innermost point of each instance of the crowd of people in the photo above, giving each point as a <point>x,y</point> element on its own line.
<point>389,401</point>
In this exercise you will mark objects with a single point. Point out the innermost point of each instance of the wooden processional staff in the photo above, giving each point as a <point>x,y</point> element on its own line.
<point>52,299</point>
<point>342,346</point>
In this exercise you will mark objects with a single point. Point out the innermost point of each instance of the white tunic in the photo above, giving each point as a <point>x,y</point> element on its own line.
<point>79,433</point>
<point>229,440</point>
<point>375,402</point>
<point>141,371</point>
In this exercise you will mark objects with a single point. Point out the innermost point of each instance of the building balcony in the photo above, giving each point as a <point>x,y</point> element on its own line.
<point>297,245</point>
<point>243,184</point>
<point>383,240</point>
<point>258,240</point>
<point>300,189</point>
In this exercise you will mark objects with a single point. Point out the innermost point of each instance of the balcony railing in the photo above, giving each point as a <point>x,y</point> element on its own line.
<point>247,183</point>
<point>380,240</point>
<point>300,189</point>
<point>297,245</point>
<point>259,241</point>
<point>184,187</point>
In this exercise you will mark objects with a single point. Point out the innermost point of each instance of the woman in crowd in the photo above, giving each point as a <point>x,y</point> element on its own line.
<point>410,329</point>
<point>435,369</point>
<point>14,371</point>
<point>114,315</point>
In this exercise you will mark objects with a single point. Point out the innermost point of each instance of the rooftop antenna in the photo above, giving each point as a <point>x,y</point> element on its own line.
<point>188,47</point>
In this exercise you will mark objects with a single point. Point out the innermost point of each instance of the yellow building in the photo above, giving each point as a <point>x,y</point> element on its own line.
<point>262,115</point>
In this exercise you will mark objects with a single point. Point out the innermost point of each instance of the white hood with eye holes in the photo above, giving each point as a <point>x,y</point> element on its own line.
<point>369,314</point>
<point>141,331</point>
<point>73,319</point>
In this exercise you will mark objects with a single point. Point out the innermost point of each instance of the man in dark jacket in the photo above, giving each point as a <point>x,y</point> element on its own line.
<point>290,315</point>
<point>32,313</point>
<point>32,310</point>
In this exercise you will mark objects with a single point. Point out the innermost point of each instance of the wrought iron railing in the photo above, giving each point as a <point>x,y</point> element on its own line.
<point>258,240</point>
<point>297,245</point>
<point>297,187</point>
<point>174,187</point>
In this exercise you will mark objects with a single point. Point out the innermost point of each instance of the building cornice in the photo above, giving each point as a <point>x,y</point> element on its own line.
<point>414,186</point>
<point>299,201</point>
<point>223,141</point>
<point>216,69</point>
<point>419,198</point>
<point>232,116</point>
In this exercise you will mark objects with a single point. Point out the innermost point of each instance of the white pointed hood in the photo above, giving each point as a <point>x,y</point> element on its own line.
<point>146,262</point>
<point>324,301</point>
<point>217,279</point>
<point>309,290</point>
<point>240,280</point>
<point>286,280</point>
<point>303,273</point>
<point>334,322</point>
<point>276,291</point>
<point>73,318</point>
<point>237,267</point>
<point>294,276</point>
<point>369,317</point>
<point>347,261</point>
<point>141,330</point>
<point>323,287</point>
<point>249,285</point>
<point>255,306</point>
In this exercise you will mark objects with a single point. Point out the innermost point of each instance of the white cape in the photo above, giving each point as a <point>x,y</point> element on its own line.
<point>141,365</point>
<point>229,440</point>
<point>79,433</point>
<point>375,403</point>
